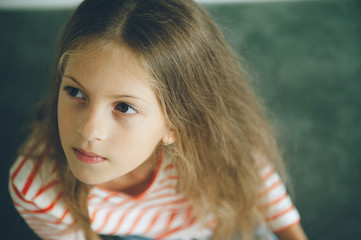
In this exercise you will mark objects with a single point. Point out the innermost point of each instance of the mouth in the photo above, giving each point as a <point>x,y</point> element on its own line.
<point>88,157</point>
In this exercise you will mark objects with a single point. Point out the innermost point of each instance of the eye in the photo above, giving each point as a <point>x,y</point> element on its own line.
<point>125,108</point>
<point>74,92</point>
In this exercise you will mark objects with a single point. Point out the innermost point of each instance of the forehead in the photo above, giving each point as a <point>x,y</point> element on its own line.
<point>106,55</point>
<point>110,68</point>
<point>115,54</point>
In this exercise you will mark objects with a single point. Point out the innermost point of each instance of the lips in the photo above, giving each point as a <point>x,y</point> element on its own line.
<point>88,157</point>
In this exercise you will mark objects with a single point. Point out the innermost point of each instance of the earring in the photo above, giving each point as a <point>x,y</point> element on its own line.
<point>167,141</point>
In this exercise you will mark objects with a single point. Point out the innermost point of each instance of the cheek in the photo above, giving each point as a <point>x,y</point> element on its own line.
<point>66,120</point>
<point>150,134</point>
<point>139,136</point>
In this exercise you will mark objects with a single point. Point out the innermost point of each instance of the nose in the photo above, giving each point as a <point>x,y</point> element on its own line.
<point>93,127</point>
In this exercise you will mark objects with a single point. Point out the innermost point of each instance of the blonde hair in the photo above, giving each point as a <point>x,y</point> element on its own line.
<point>205,98</point>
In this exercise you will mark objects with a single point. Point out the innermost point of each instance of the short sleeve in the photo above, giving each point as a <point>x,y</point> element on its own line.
<point>280,212</point>
<point>33,189</point>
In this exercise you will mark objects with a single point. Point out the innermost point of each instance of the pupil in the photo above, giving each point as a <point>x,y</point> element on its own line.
<point>123,107</point>
<point>73,92</point>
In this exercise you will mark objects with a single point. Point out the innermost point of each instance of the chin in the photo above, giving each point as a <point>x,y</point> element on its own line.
<point>90,181</point>
<point>86,180</point>
<point>86,177</point>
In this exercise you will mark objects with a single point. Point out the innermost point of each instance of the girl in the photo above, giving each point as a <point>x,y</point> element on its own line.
<point>150,131</point>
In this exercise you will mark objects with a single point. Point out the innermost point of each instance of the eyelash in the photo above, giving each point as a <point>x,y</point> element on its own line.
<point>127,107</point>
<point>121,107</point>
<point>70,91</point>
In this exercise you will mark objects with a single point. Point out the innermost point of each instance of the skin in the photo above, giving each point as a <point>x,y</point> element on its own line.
<point>107,107</point>
<point>293,233</point>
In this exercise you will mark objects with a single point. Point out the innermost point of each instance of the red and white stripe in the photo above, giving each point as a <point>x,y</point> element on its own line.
<point>32,188</point>
<point>160,212</point>
<point>280,212</point>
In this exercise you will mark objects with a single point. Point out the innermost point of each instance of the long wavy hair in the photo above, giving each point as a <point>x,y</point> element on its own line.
<point>206,100</point>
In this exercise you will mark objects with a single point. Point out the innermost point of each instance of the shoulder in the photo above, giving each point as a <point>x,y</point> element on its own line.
<point>33,176</point>
<point>34,189</point>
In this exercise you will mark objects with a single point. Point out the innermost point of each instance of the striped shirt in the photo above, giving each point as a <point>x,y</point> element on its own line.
<point>160,212</point>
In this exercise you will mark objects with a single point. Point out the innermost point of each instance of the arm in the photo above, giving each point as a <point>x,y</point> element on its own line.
<point>280,212</point>
<point>292,233</point>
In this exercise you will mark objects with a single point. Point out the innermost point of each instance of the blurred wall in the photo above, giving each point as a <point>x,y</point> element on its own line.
<point>40,4</point>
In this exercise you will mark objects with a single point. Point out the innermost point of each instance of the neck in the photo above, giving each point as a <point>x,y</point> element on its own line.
<point>137,181</point>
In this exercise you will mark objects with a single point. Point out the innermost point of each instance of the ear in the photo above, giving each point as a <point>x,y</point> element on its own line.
<point>168,138</point>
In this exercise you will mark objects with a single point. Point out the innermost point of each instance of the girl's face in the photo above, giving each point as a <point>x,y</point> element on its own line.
<point>110,120</point>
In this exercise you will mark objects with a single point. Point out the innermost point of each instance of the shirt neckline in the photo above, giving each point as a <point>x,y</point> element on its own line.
<point>140,195</point>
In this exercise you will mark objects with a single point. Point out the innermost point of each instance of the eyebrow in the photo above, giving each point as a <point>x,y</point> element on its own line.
<point>74,80</point>
<point>112,96</point>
